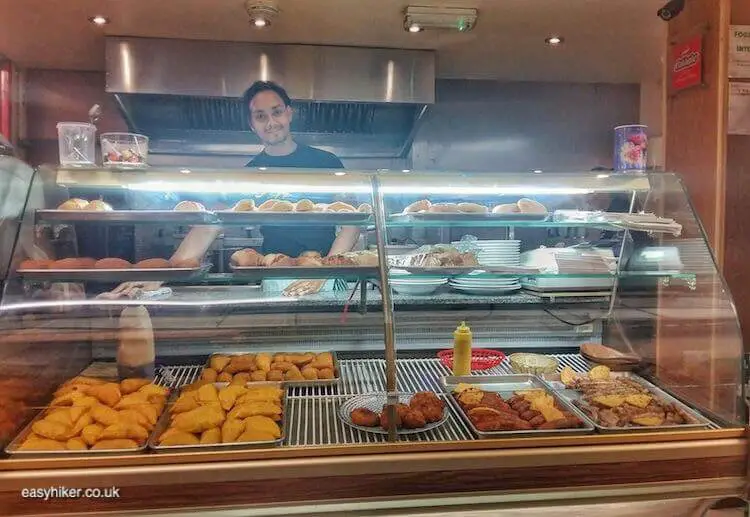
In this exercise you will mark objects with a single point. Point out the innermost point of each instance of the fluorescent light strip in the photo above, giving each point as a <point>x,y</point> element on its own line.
<point>9,307</point>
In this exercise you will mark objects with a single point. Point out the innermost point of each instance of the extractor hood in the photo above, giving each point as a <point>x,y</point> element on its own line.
<point>185,94</point>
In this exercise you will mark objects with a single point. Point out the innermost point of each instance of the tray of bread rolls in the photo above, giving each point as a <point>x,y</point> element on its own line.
<point>302,212</point>
<point>289,368</point>
<point>310,264</point>
<point>109,270</point>
<point>260,272</point>
<point>126,216</point>
<point>424,210</point>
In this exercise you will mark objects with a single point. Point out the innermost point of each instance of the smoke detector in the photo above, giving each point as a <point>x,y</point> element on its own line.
<point>419,18</point>
<point>261,12</point>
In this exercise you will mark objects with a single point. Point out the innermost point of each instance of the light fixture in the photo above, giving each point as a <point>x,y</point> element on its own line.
<point>537,171</point>
<point>554,41</point>
<point>99,20</point>
<point>261,12</point>
<point>339,174</point>
<point>419,18</point>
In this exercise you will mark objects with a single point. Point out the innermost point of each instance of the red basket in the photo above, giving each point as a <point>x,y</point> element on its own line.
<point>481,358</point>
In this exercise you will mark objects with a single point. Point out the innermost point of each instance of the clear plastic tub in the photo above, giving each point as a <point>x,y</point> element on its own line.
<point>124,150</point>
<point>77,142</point>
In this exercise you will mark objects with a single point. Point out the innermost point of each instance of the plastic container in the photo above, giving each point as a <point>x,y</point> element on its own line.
<point>462,339</point>
<point>535,364</point>
<point>77,141</point>
<point>124,150</point>
<point>631,148</point>
<point>481,358</point>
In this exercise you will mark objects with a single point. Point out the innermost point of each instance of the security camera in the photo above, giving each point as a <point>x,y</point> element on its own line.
<point>671,10</point>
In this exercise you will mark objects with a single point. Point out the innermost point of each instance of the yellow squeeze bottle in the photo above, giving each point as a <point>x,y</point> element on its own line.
<point>462,350</point>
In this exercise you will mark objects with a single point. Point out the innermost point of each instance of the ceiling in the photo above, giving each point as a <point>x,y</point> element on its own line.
<point>605,40</point>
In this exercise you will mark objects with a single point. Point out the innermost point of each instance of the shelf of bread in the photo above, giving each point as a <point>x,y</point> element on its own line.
<point>248,263</point>
<point>111,269</point>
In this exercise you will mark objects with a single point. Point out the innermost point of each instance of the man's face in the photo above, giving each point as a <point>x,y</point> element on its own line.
<point>270,118</point>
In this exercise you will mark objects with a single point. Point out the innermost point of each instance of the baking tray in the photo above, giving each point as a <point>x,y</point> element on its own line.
<point>700,421</point>
<point>375,402</point>
<point>505,386</point>
<point>320,382</point>
<point>13,446</point>
<point>295,272</point>
<point>296,218</point>
<point>163,423</point>
<point>126,216</point>
<point>114,275</point>
<point>461,216</point>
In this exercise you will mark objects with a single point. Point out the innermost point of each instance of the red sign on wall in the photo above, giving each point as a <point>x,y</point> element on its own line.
<point>687,64</point>
<point>5,99</point>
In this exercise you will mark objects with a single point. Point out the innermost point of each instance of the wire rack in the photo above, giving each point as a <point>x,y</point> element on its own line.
<point>313,411</point>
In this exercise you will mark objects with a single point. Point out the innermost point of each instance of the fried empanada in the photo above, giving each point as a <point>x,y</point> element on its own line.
<point>91,433</point>
<point>76,444</point>
<point>81,423</point>
<point>258,376</point>
<point>253,435</point>
<point>275,375</point>
<point>263,361</point>
<point>322,360</point>
<point>264,424</point>
<point>187,401</point>
<point>209,374</point>
<point>260,394</point>
<point>61,416</point>
<point>125,430</point>
<point>149,411</point>
<point>105,415</point>
<point>228,395</point>
<point>231,429</point>
<point>268,409</point>
<point>224,377</point>
<point>241,363</point>
<point>208,394</point>
<point>132,400</point>
<point>219,362</point>
<point>200,419</point>
<point>212,435</point>
<point>293,374</point>
<point>108,393</point>
<point>52,430</point>
<point>132,416</point>
<point>172,437</point>
<point>42,444</point>
<point>241,378</point>
<point>120,443</point>
<point>153,391</point>
<point>283,366</point>
<point>310,373</point>
<point>128,386</point>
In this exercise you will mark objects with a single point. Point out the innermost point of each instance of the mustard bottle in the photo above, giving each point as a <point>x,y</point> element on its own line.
<point>462,350</point>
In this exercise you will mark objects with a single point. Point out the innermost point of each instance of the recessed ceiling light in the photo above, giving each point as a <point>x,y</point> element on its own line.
<point>99,20</point>
<point>415,27</point>
<point>554,41</point>
<point>260,22</point>
<point>261,12</point>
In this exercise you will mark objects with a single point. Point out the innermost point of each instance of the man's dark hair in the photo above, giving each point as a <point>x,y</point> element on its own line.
<point>263,86</point>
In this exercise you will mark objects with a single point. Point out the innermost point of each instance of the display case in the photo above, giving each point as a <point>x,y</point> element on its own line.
<point>533,263</point>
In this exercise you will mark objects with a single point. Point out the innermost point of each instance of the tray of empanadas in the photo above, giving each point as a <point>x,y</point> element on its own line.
<point>289,368</point>
<point>219,416</point>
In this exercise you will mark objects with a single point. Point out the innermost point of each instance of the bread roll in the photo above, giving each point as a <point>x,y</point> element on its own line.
<point>472,208</point>
<point>189,206</point>
<point>74,263</point>
<point>321,207</point>
<point>418,206</point>
<point>311,253</point>
<point>153,263</point>
<point>444,208</point>
<point>267,206</point>
<point>507,208</point>
<point>285,262</point>
<point>283,206</point>
<point>304,205</point>
<point>340,206</point>
<point>244,205</point>
<point>364,258</point>
<point>309,262</point>
<point>272,258</point>
<point>112,263</point>
<point>529,206</point>
<point>35,264</point>
<point>98,205</point>
<point>365,208</point>
<point>74,204</point>
<point>246,258</point>
<point>189,263</point>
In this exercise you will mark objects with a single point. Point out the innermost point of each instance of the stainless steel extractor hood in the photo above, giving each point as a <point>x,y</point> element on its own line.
<point>184,94</point>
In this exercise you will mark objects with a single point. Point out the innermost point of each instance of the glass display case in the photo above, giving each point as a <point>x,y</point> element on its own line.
<point>349,283</point>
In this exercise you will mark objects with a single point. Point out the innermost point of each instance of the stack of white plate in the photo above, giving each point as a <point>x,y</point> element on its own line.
<point>414,285</point>
<point>478,283</point>
<point>498,253</point>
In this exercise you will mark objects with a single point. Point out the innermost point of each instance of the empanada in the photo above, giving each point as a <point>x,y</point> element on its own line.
<point>212,435</point>
<point>128,386</point>
<point>264,424</point>
<point>228,395</point>
<point>208,394</point>
<point>268,409</point>
<point>231,429</point>
<point>173,437</point>
<point>219,362</point>
<point>108,393</point>
<point>76,444</point>
<point>91,433</point>
<point>52,430</point>
<point>200,419</point>
<point>120,443</point>
<point>104,415</point>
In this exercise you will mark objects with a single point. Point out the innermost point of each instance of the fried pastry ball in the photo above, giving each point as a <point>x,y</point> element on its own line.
<point>365,417</point>
<point>413,419</point>
<point>401,410</point>
<point>429,405</point>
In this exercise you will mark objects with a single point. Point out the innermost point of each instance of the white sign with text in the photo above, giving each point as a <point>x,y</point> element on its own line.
<point>739,51</point>
<point>739,109</point>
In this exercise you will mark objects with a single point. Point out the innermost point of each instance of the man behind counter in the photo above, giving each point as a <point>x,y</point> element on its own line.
<point>270,115</point>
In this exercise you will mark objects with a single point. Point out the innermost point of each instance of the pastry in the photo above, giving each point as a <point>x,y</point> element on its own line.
<point>244,205</point>
<point>112,263</point>
<point>365,208</point>
<point>74,204</point>
<point>507,208</point>
<point>309,262</point>
<point>472,208</point>
<point>313,254</point>
<point>246,258</point>
<point>418,206</point>
<point>188,263</point>
<point>282,206</point>
<point>267,206</point>
<point>285,262</point>
<point>444,208</point>
<point>99,206</point>
<point>189,206</point>
<point>153,263</point>
<point>340,206</point>
<point>74,263</point>
<point>363,258</point>
<point>320,207</point>
<point>338,260</point>
<point>273,258</point>
<point>35,264</point>
<point>529,206</point>
<point>304,205</point>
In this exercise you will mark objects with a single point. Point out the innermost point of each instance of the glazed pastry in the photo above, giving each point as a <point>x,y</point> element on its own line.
<point>418,206</point>
<point>340,206</point>
<point>244,205</point>
<point>448,208</point>
<point>246,258</point>
<point>99,206</point>
<point>35,264</point>
<point>365,208</point>
<point>472,208</point>
<point>74,263</point>
<point>189,206</point>
<point>304,205</point>
<point>267,206</point>
<point>320,207</point>
<point>74,204</point>
<point>153,263</point>
<point>282,206</point>
<point>112,263</point>
<point>508,208</point>
<point>529,206</point>
<point>189,263</point>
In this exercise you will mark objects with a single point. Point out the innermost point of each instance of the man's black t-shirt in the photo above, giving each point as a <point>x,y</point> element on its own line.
<point>289,240</point>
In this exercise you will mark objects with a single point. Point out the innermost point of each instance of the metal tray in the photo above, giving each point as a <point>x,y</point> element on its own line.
<point>163,423</point>
<point>295,218</point>
<point>320,382</point>
<point>461,216</point>
<point>114,275</point>
<point>295,272</point>
<point>14,446</point>
<point>126,216</point>
<point>375,402</point>
<point>574,395</point>
<point>505,386</point>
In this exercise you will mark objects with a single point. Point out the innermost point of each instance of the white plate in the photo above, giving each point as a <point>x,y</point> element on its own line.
<point>510,285</point>
<point>486,292</point>
<point>375,402</point>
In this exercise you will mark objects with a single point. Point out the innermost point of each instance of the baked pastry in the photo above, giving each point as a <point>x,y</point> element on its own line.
<point>529,206</point>
<point>272,258</point>
<point>320,207</point>
<point>340,206</point>
<point>189,263</point>
<point>112,263</point>
<point>507,208</point>
<point>444,208</point>
<point>98,205</point>
<point>363,258</point>
<point>338,260</point>
<point>74,204</point>
<point>189,206</point>
<point>309,262</point>
<point>246,258</point>
<point>244,205</point>
<point>304,205</point>
<point>472,208</point>
<point>365,208</point>
<point>35,264</point>
<point>74,263</point>
<point>285,262</point>
<point>313,254</point>
<point>267,206</point>
<point>153,263</point>
<point>422,205</point>
<point>283,206</point>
